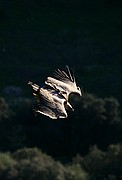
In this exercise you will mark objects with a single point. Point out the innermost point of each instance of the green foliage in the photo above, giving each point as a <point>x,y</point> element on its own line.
<point>94,161</point>
<point>93,122</point>
<point>13,115</point>
<point>7,167</point>
<point>21,105</point>
<point>103,165</point>
<point>112,110</point>
<point>75,172</point>
<point>6,161</point>
<point>101,110</point>
<point>5,111</point>
<point>32,164</point>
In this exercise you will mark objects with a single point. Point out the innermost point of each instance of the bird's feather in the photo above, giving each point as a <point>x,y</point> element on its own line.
<point>49,103</point>
<point>63,81</point>
<point>67,77</point>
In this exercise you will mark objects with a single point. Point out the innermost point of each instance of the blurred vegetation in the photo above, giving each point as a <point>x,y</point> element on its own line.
<point>87,143</point>
<point>35,38</point>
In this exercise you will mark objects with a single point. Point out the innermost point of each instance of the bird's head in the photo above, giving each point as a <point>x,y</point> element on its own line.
<point>78,91</point>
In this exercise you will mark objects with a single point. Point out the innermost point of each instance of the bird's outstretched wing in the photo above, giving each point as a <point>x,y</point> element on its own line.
<point>66,77</point>
<point>64,82</point>
<point>49,103</point>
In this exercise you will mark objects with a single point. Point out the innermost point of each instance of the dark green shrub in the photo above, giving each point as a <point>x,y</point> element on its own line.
<point>7,167</point>
<point>102,165</point>
<point>5,111</point>
<point>33,165</point>
<point>93,122</point>
<point>75,172</point>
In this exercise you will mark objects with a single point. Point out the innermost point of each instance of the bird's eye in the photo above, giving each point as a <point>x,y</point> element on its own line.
<point>78,88</point>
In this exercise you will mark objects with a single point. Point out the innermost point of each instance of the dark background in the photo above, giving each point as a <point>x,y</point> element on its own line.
<point>37,37</point>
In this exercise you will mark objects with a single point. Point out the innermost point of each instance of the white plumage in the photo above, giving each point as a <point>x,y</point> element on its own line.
<point>64,82</point>
<point>52,98</point>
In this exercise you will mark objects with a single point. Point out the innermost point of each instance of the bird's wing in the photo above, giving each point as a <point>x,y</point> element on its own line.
<point>58,85</point>
<point>63,81</point>
<point>50,104</point>
<point>34,87</point>
<point>66,77</point>
<point>46,111</point>
<point>42,100</point>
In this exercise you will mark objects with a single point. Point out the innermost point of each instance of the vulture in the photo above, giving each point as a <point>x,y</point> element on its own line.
<point>52,99</point>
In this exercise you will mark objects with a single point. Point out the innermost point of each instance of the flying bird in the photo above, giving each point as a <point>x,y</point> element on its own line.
<point>52,99</point>
<point>64,81</point>
<point>50,102</point>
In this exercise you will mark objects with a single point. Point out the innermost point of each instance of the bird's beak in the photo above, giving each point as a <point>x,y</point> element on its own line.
<point>80,93</point>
